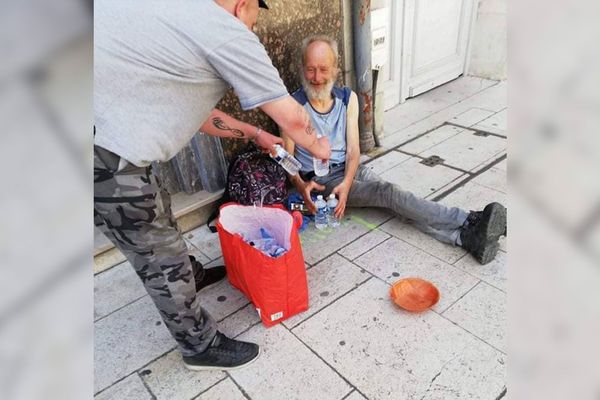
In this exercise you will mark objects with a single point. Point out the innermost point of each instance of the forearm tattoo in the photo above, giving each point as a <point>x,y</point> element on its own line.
<point>309,129</point>
<point>220,124</point>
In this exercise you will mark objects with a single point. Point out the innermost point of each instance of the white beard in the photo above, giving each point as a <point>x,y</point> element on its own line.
<point>317,94</point>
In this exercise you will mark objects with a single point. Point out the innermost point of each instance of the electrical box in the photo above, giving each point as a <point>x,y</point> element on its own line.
<point>379,37</point>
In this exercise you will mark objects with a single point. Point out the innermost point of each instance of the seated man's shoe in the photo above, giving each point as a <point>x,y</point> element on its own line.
<point>206,276</point>
<point>223,354</point>
<point>481,231</point>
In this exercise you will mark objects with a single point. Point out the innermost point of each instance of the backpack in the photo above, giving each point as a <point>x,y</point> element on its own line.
<point>253,177</point>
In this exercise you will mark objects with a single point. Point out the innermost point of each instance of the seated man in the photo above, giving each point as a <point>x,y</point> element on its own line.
<point>334,111</point>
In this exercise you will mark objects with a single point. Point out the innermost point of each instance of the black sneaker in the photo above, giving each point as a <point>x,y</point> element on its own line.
<point>481,232</point>
<point>223,354</point>
<point>206,276</point>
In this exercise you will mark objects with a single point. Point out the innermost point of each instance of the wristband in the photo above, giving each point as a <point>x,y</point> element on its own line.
<point>258,131</point>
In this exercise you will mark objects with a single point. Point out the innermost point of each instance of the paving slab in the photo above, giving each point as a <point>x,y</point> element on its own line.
<point>502,165</point>
<point>224,390</point>
<point>129,388</point>
<point>327,281</point>
<point>394,259</point>
<point>116,288</point>
<point>287,369</point>
<point>466,150</point>
<point>126,340</point>
<point>493,178</point>
<point>355,396</point>
<point>169,379</point>
<point>493,273</point>
<point>200,256</point>
<point>364,243</point>
<point>471,116</point>
<point>204,240</point>
<point>432,101</point>
<point>491,162</point>
<point>239,321</point>
<point>431,139</point>
<point>316,244</point>
<point>483,313</point>
<point>420,179</point>
<point>381,164</point>
<point>492,98</point>
<point>387,353</point>
<point>402,229</point>
<point>473,196</point>
<point>222,299</point>
<point>496,123</point>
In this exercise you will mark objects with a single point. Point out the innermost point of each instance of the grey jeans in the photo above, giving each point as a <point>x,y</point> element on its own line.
<point>368,190</point>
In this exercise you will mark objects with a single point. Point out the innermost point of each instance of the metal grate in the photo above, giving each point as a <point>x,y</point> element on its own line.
<point>432,161</point>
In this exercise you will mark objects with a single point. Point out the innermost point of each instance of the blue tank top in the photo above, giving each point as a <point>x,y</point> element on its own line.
<point>331,124</point>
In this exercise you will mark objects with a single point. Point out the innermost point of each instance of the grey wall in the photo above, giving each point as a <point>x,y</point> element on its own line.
<point>488,41</point>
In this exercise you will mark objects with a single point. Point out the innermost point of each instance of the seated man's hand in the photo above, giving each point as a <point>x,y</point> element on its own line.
<point>341,192</point>
<point>305,191</point>
<point>324,141</point>
<point>266,141</point>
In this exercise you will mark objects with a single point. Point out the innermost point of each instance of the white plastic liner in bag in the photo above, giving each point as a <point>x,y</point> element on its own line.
<point>247,221</point>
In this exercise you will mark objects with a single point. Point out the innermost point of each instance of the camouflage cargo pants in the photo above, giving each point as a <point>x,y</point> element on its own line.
<point>134,212</point>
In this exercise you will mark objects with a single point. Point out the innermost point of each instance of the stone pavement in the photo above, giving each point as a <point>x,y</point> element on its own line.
<point>353,343</point>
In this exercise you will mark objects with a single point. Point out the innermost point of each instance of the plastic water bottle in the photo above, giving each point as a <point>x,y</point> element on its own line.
<point>321,217</point>
<point>320,167</point>
<point>332,203</point>
<point>286,160</point>
<point>268,245</point>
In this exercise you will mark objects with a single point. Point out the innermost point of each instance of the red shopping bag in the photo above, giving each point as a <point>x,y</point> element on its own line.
<point>275,285</point>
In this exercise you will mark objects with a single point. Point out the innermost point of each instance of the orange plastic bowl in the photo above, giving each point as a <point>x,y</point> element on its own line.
<point>414,294</point>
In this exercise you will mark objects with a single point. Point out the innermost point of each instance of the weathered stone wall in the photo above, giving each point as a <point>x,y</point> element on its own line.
<point>281,30</point>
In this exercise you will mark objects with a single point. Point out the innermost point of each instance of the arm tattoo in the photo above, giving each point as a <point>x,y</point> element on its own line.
<point>309,129</point>
<point>220,124</point>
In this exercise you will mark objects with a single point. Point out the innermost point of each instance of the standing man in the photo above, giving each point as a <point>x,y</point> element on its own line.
<point>160,68</point>
<point>334,111</point>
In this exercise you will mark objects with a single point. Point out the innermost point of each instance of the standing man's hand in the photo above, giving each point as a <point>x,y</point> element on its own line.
<point>266,141</point>
<point>341,192</point>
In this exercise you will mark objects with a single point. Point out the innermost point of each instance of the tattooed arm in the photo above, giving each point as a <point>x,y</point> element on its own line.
<point>222,125</point>
<point>295,122</point>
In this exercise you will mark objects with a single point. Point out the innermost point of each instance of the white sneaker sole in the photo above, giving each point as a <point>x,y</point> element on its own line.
<point>217,368</point>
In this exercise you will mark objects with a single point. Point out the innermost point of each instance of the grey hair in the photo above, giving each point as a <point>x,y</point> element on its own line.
<point>319,38</point>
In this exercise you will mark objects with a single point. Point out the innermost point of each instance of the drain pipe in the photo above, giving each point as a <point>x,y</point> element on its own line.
<point>361,24</point>
<point>375,126</point>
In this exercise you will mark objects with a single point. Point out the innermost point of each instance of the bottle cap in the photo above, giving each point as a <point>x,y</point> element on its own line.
<point>332,196</point>
<point>320,197</point>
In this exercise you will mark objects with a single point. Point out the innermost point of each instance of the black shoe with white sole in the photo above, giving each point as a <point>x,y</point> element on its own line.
<point>223,354</point>
<point>481,232</point>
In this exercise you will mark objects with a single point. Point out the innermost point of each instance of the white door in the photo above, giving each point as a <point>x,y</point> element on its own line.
<point>434,44</point>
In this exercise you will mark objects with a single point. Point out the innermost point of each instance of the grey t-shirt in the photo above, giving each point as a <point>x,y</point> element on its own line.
<point>161,66</point>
